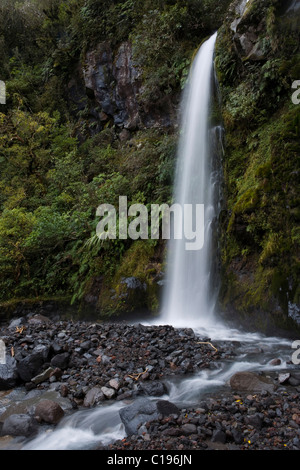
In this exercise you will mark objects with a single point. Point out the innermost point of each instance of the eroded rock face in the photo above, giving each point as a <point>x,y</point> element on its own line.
<point>109,84</point>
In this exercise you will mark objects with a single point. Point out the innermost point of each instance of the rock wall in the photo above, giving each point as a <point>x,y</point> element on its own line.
<point>256,60</point>
<point>107,86</point>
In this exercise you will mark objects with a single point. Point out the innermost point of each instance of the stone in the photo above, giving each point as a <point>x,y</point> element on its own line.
<point>19,425</point>
<point>141,411</point>
<point>61,360</point>
<point>8,374</point>
<point>237,436</point>
<point>93,397</point>
<point>219,436</point>
<point>31,365</point>
<point>283,378</point>
<point>254,420</point>
<point>45,375</point>
<point>154,389</point>
<point>251,381</point>
<point>108,392</point>
<point>114,383</point>
<point>188,429</point>
<point>275,362</point>
<point>49,411</point>
<point>166,408</point>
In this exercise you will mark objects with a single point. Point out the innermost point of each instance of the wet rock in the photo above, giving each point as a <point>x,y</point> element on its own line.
<point>250,381</point>
<point>19,425</point>
<point>141,411</point>
<point>284,378</point>
<point>49,411</point>
<point>275,362</point>
<point>154,389</point>
<point>8,374</point>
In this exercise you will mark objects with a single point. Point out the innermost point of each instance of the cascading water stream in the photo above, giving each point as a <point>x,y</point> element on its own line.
<point>189,299</point>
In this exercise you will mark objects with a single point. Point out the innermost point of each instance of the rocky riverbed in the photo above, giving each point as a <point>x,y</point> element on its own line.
<point>55,368</point>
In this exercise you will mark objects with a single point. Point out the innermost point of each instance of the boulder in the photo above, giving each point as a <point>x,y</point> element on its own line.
<point>141,411</point>
<point>8,374</point>
<point>31,365</point>
<point>166,408</point>
<point>49,411</point>
<point>251,381</point>
<point>19,425</point>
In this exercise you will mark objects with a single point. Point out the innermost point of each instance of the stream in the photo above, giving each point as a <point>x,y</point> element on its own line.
<point>86,429</point>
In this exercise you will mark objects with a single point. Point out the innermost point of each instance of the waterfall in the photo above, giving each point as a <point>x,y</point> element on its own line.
<point>190,295</point>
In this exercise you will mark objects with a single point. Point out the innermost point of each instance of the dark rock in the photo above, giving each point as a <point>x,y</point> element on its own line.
<point>8,374</point>
<point>237,436</point>
<point>166,408</point>
<point>219,436</point>
<point>294,379</point>
<point>31,365</point>
<point>61,360</point>
<point>188,429</point>
<point>64,390</point>
<point>172,432</point>
<point>275,362</point>
<point>254,420</point>
<point>141,411</point>
<point>154,389</point>
<point>49,411</point>
<point>19,425</point>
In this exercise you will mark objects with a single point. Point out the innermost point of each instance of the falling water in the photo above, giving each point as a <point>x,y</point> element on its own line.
<point>189,294</point>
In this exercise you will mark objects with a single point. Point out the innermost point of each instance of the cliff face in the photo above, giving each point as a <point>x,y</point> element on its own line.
<point>108,85</point>
<point>257,61</point>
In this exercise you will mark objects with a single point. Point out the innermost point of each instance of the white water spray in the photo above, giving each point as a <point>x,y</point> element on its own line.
<point>188,299</point>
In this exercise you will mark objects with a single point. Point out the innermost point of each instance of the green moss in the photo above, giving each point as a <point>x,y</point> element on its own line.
<point>134,284</point>
<point>260,235</point>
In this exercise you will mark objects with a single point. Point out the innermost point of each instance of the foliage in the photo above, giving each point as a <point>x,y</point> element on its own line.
<point>259,234</point>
